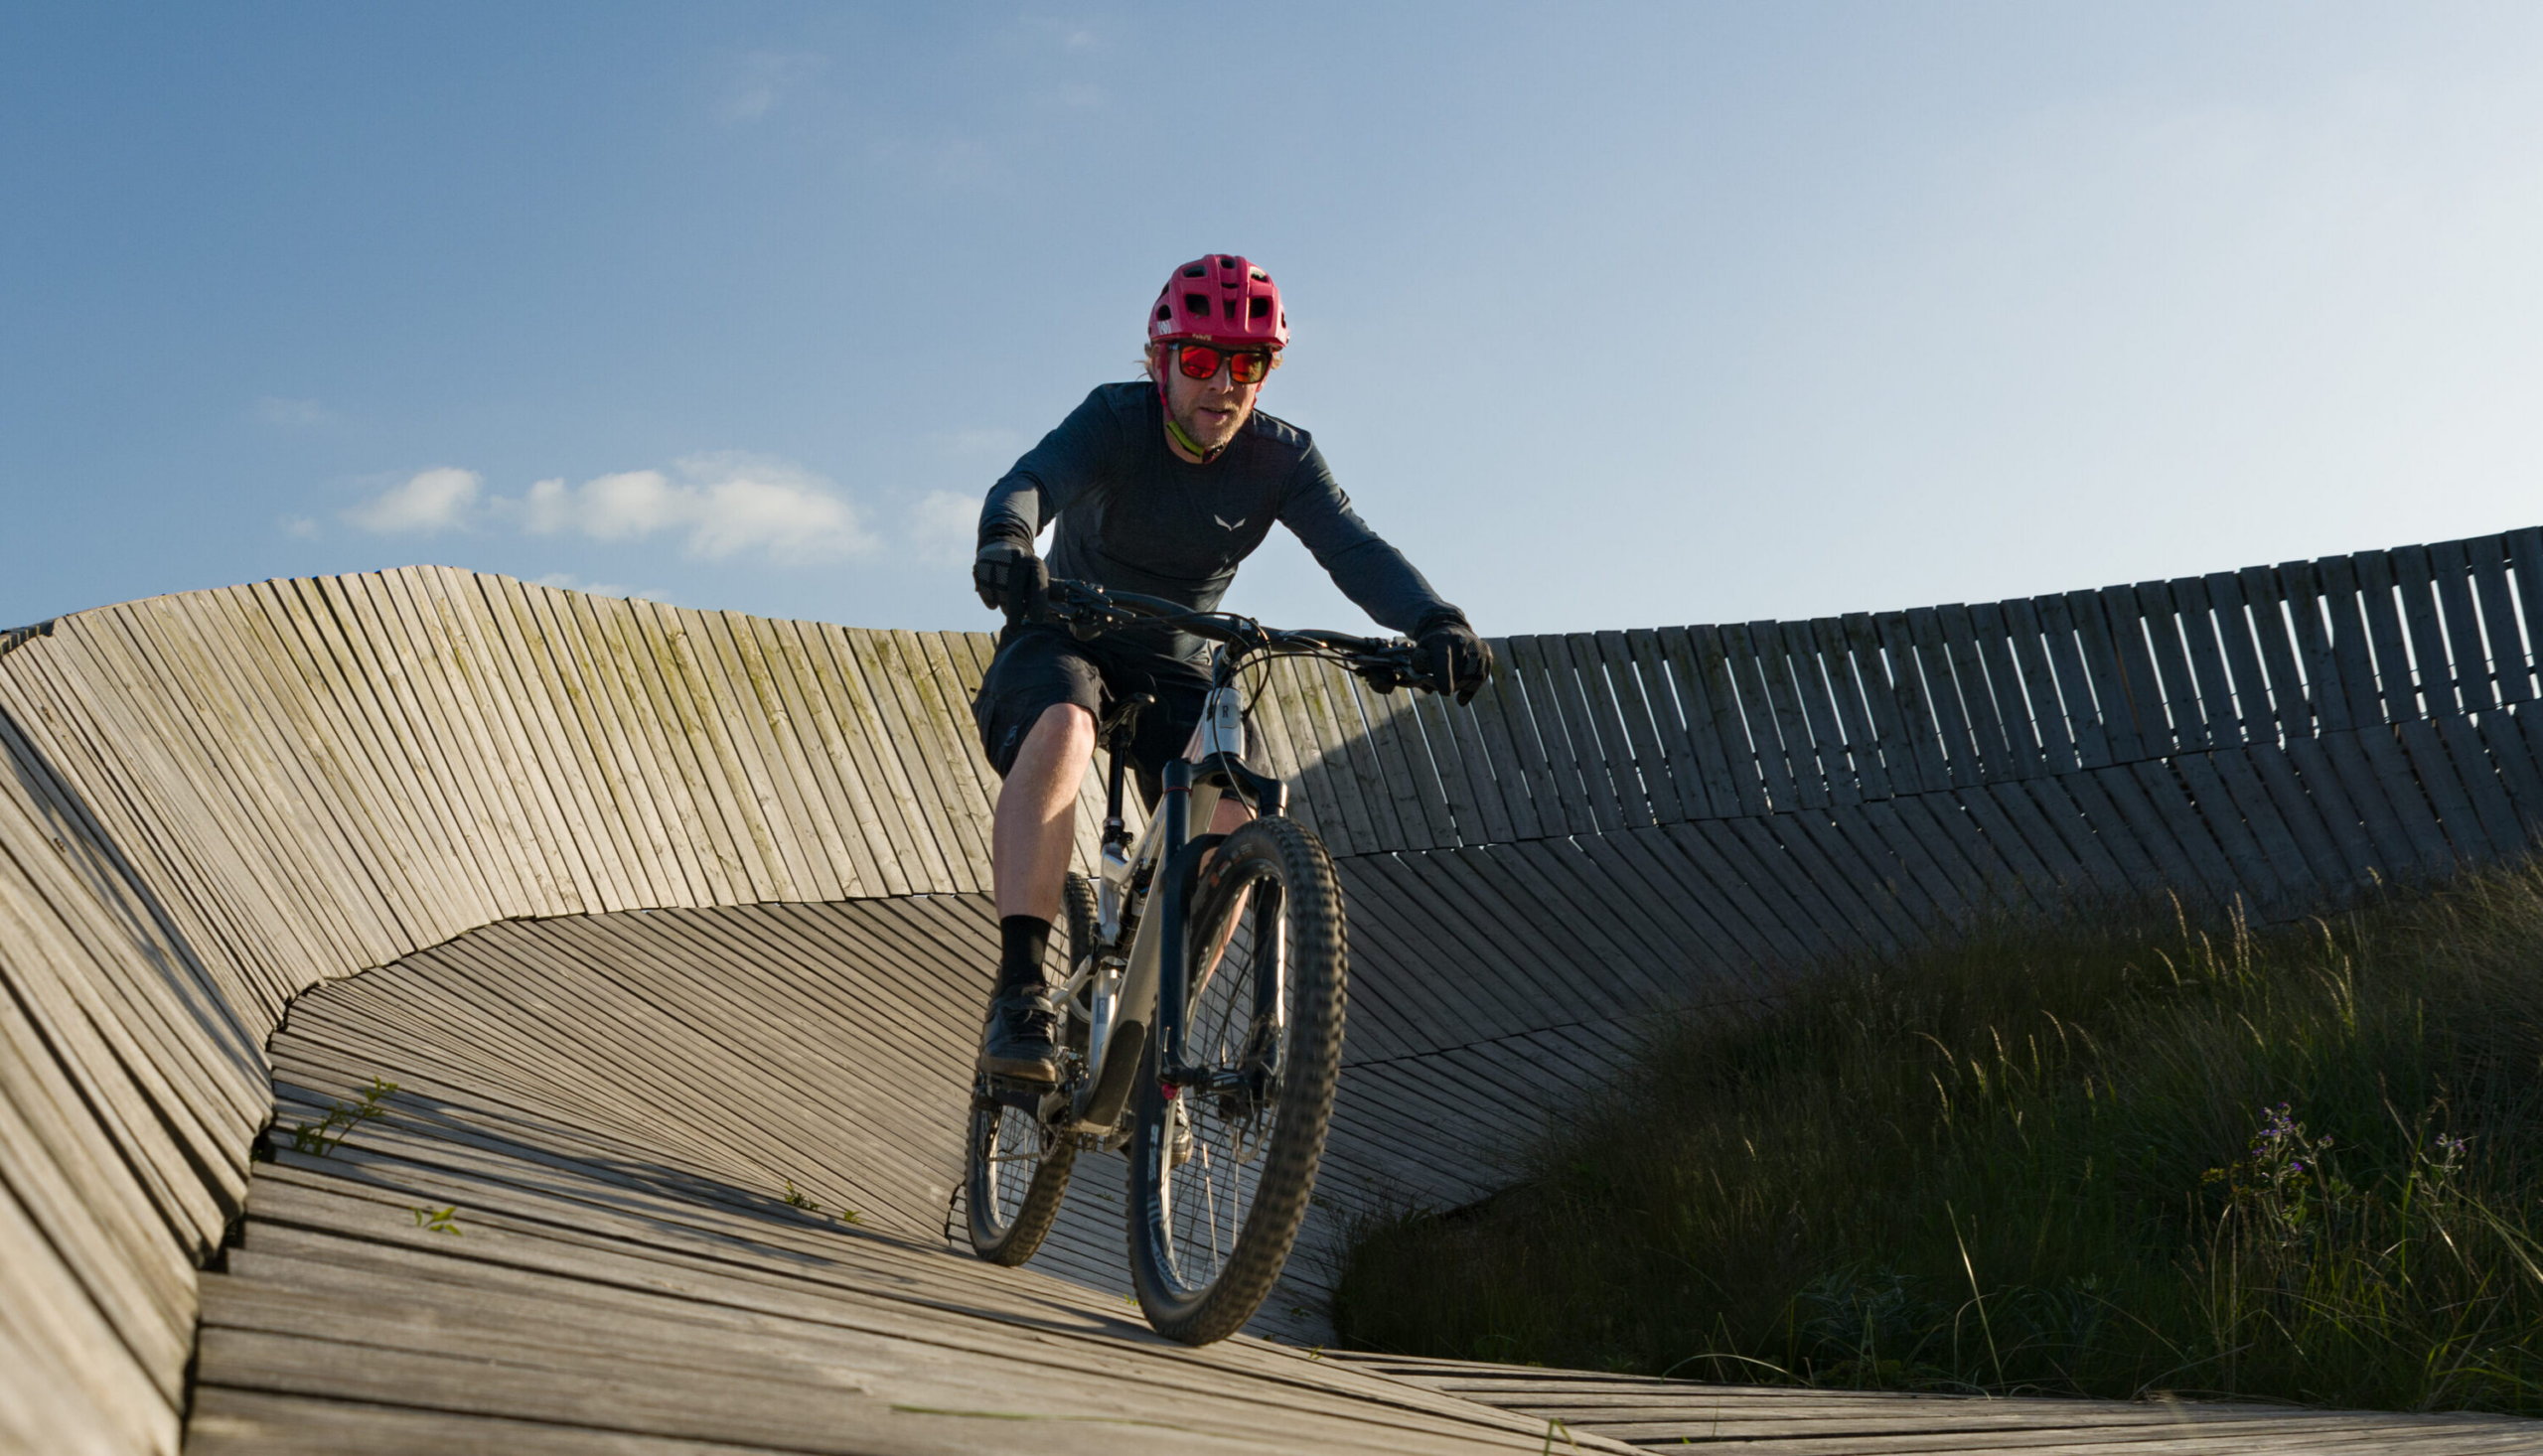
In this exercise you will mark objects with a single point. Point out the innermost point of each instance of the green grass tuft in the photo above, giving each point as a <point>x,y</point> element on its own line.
<point>2111,1152</point>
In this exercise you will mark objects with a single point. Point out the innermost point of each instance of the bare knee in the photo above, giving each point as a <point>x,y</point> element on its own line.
<point>1054,752</point>
<point>1064,729</point>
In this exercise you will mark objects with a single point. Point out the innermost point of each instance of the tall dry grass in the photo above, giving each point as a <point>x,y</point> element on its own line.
<point>2107,1152</point>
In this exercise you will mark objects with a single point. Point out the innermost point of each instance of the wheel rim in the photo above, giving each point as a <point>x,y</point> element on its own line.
<point>1012,1153</point>
<point>1208,1194</point>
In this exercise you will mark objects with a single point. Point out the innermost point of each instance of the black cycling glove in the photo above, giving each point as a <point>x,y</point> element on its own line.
<point>1008,577</point>
<point>1451,654</point>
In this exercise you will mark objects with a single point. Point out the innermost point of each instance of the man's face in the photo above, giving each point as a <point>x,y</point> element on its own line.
<point>1210,410</point>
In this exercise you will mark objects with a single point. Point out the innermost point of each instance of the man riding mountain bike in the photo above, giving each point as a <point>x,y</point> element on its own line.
<point>1159,488</point>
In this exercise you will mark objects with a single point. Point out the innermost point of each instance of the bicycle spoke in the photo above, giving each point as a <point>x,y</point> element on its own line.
<point>1209,1195</point>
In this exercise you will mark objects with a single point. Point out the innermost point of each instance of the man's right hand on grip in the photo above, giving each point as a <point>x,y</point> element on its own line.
<point>1009,578</point>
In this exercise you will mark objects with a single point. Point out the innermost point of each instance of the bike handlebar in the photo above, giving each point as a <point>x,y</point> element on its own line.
<point>1089,611</point>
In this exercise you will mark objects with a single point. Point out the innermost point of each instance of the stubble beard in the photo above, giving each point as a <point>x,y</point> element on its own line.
<point>1190,421</point>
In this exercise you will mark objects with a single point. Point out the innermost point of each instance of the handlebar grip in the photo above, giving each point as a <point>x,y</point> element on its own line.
<point>1028,589</point>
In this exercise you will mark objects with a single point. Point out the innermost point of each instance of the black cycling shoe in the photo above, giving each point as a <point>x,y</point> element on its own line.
<point>1023,1038</point>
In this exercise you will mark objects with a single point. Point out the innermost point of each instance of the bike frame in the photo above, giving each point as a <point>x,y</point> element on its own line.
<point>1141,992</point>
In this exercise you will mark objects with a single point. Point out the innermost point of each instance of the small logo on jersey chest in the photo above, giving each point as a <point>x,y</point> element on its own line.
<point>1226,524</point>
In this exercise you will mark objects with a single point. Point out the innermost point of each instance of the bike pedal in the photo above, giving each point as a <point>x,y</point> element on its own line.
<point>1008,1092</point>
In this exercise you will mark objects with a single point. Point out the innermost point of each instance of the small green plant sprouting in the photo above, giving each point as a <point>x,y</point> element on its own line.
<point>439,1220</point>
<point>321,1138</point>
<point>2284,1180</point>
<point>796,1198</point>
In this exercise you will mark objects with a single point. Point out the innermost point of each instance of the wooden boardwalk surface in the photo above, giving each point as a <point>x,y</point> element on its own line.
<point>609,1137</point>
<point>218,801</point>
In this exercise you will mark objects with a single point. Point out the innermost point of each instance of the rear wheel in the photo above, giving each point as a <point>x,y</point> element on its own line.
<point>1017,1168</point>
<point>1221,1171</point>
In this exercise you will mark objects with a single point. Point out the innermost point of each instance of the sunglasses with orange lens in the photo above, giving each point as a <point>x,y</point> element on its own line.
<point>1245,366</point>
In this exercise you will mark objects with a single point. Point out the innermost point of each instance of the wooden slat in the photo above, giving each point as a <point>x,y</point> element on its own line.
<point>1781,704</point>
<point>1605,771</point>
<point>1803,670</point>
<point>755,709</point>
<point>2123,614</point>
<point>2466,654</point>
<point>851,834</point>
<point>2512,657</point>
<point>2209,681</point>
<point>2525,561</point>
<point>327,789</point>
<point>2074,681</point>
<point>2356,702</point>
<point>621,834</point>
<point>1500,719</point>
<point>1866,777</point>
<point>1944,697</point>
<point>1697,671</point>
<point>608,682</point>
<point>2049,713</point>
<point>1913,703</point>
<point>2414,575</point>
<point>450,620</point>
<point>2007,684</point>
<point>883,705</point>
<point>1775,759</point>
<point>1553,771</point>
<point>1411,780</point>
<point>1477,811</point>
<point>1309,699</point>
<point>2169,653</point>
<point>1636,728</point>
<point>408,736</point>
<point>1977,696</point>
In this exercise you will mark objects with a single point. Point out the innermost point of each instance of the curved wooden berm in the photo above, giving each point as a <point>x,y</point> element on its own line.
<point>657,916</point>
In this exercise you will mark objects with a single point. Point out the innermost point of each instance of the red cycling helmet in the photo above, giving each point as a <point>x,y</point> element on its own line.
<point>1221,299</point>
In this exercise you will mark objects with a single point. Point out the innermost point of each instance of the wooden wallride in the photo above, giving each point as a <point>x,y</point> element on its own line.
<point>218,801</point>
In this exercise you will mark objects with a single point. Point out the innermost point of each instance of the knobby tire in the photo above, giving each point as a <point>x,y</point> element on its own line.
<point>1012,1205</point>
<point>1196,1289</point>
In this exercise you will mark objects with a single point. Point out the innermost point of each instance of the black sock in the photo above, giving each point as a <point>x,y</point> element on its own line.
<point>1023,939</point>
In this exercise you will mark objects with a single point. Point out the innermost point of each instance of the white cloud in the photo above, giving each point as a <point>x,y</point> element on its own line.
<point>300,528</point>
<point>292,415</point>
<point>565,581</point>
<point>429,500</point>
<point>944,528</point>
<point>725,505</point>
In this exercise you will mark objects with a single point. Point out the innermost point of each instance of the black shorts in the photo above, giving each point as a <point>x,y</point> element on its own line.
<point>1038,666</point>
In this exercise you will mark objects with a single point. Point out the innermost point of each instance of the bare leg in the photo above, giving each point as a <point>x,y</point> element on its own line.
<point>1036,825</point>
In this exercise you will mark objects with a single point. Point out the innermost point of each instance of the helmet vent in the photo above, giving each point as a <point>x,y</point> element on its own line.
<point>1196,271</point>
<point>1231,310</point>
<point>1198,303</point>
<point>1226,263</point>
<point>1262,277</point>
<point>1164,311</point>
<point>1258,307</point>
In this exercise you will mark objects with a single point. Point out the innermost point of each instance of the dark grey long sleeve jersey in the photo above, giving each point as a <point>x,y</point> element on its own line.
<point>1136,517</point>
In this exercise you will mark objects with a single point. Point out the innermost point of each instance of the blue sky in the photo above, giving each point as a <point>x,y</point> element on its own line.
<point>1607,315</point>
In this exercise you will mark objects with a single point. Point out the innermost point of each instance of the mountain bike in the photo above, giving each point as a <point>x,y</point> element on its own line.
<point>1203,1001</point>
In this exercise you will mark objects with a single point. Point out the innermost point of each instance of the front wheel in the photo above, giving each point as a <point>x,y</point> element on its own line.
<point>1221,1169</point>
<point>1017,1166</point>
